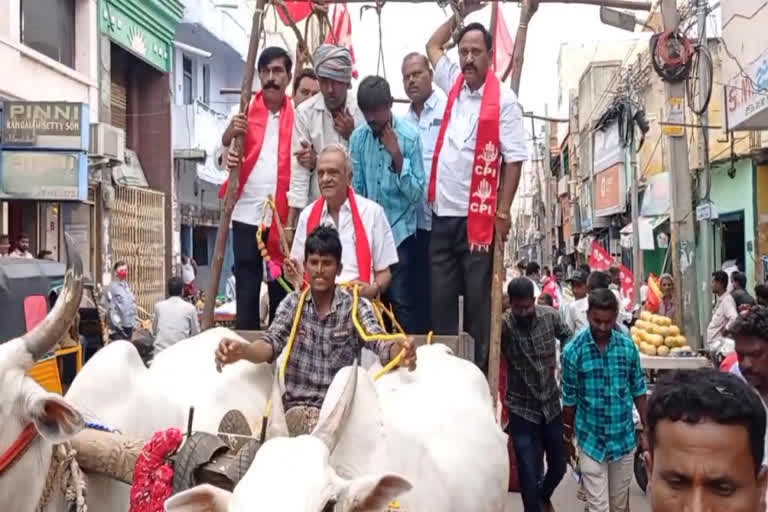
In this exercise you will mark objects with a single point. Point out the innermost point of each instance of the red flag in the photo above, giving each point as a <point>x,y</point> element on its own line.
<point>341,33</point>
<point>298,10</point>
<point>504,44</point>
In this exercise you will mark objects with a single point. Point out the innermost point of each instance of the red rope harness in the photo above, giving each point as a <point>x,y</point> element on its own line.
<point>17,449</point>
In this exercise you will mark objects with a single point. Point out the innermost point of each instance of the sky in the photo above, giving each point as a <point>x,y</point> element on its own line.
<point>407,27</point>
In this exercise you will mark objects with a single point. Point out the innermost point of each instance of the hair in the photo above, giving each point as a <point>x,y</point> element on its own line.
<point>666,276</point>
<point>520,288</point>
<point>21,237</point>
<point>752,324</point>
<point>598,280</point>
<point>603,299</point>
<point>119,264</point>
<point>325,241</point>
<point>558,268</point>
<point>761,291</point>
<point>721,277</point>
<point>693,396</point>
<point>175,286</point>
<point>532,268</point>
<point>614,271</point>
<point>547,299</point>
<point>420,56</point>
<point>487,38</point>
<point>272,53</point>
<point>43,254</point>
<point>739,278</point>
<point>585,268</point>
<point>338,148</point>
<point>301,75</point>
<point>372,93</point>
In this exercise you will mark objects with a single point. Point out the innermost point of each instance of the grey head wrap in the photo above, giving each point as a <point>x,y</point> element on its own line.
<point>333,62</point>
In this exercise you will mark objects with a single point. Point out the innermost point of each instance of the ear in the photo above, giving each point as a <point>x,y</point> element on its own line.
<point>203,498</point>
<point>374,493</point>
<point>54,418</point>
<point>762,482</point>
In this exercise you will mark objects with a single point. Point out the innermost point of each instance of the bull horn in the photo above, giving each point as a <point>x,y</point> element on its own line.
<point>40,340</point>
<point>330,430</point>
<point>278,425</point>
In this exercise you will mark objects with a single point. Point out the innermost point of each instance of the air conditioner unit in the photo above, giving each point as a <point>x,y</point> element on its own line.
<point>107,141</point>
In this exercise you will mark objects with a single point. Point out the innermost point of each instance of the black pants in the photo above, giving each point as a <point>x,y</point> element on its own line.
<point>402,295</point>
<point>122,333</point>
<point>528,437</point>
<point>420,283</point>
<point>457,271</point>
<point>249,273</point>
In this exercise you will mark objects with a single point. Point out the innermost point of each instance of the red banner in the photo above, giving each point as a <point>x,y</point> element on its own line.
<point>600,259</point>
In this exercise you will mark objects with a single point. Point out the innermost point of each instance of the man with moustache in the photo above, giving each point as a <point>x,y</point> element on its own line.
<point>474,177</point>
<point>368,246</point>
<point>705,434</point>
<point>388,169</point>
<point>266,170</point>
<point>426,112</point>
<point>327,118</point>
<point>528,335</point>
<point>602,378</point>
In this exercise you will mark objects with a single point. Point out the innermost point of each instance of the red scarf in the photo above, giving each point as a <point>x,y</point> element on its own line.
<point>483,192</point>
<point>362,248</point>
<point>254,138</point>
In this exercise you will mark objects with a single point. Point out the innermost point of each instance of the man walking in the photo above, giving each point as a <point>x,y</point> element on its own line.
<point>474,177</point>
<point>386,155</point>
<point>535,417</point>
<point>120,303</point>
<point>266,170</point>
<point>739,293</point>
<point>602,377</point>
<point>426,112</point>
<point>725,311</point>
<point>326,118</point>
<point>174,318</point>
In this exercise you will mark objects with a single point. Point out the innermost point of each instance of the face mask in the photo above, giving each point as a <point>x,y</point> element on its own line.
<point>122,274</point>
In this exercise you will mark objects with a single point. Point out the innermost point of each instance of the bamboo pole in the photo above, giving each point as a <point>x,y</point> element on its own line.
<point>234,176</point>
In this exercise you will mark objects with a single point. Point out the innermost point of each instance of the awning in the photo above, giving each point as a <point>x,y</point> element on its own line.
<point>654,222</point>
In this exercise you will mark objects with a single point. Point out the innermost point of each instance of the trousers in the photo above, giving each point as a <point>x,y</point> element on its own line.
<point>249,273</point>
<point>606,484</point>
<point>455,271</point>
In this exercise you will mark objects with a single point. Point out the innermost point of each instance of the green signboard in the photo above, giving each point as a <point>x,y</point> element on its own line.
<point>145,29</point>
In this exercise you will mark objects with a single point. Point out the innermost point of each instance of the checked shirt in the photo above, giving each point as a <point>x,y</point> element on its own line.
<point>602,387</point>
<point>323,345</point>
<point>531,355</point>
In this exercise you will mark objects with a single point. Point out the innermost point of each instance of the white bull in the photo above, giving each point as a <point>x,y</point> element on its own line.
<point>114,389</point>
<point>427,438</point>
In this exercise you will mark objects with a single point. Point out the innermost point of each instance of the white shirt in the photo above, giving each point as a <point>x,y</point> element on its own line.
<point>725,311</point>
<point>575,314</point>
<point>457,155</point>
<point>174,320</point>
<point>249,208</point>
<point>380,239</point>
<point>187,273</point>
<point>314,124</point>
<point>429,128</point>
<point>17,253</point>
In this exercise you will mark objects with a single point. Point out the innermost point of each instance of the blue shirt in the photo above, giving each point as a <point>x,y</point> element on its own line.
<point>399,194</point>
<point>602,386</point>
<point>429,128</point>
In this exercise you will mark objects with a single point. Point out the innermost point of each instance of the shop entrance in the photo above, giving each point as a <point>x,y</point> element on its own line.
<point>732,238</point>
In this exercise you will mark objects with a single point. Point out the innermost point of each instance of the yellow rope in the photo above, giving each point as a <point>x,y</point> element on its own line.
<point>429,337</point>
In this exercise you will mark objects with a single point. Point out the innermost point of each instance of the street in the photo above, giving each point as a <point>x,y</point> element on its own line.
<point>565,499</point>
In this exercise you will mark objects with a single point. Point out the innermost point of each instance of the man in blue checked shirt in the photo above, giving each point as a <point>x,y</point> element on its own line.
<point>388,169</point>
<point>602,377</point>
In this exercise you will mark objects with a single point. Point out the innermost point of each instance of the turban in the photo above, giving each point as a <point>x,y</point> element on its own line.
<point>333,62</point>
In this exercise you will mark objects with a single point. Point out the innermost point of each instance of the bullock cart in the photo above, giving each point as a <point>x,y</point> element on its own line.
<point>28,291</point>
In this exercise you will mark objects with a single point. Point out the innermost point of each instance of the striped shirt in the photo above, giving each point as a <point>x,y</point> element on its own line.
<point>323,345</point>
<point>400,194</point>
<point>602,386</point>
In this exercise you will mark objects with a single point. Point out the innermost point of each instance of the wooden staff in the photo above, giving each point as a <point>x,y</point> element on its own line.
<point>234,176</point>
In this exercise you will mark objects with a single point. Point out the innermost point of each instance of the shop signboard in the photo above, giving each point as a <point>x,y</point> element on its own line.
<point>609,191</point>
<point>746,97</point>
<point>44,175</point>
<point>44,125</point>
<point>585,207</point>
<point>607,150</point>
